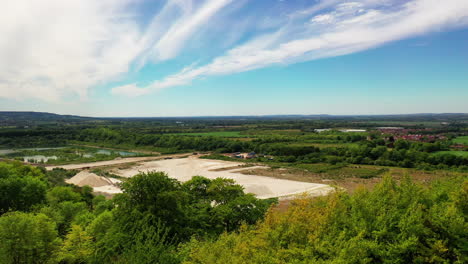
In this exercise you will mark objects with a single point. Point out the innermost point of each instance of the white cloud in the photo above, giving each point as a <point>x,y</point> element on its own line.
<point>350,32</point>
<point>171,43</point>
<point>130,90</point>
<point>55,49</point>
<point>325,18</point>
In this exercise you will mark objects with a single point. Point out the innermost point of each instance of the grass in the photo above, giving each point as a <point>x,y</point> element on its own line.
<point>456,153</point>
<point>227,134</point>
<point>336,171</point>
<point>150,150</point>
<point>340,171</point>
<point>221,157</point>
<point>461,140</point>
<point>404,123</point>
<point>326,145</point>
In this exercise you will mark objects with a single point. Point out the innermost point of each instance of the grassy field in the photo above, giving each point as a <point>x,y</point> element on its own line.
<point>343,171</point>
<point>405,123</point>
<point>456,153</point>
<point>337,171</point>
<point>325,145</point>
<point>227,134</point>
<point>461,140</point>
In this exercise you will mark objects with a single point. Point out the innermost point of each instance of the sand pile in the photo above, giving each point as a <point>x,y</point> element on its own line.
<point>87,178</point>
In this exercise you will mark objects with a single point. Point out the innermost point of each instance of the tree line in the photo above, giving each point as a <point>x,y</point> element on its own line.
<point>355,148</point>
<point>45,220</point>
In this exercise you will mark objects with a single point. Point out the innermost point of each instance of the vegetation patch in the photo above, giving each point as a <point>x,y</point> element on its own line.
<point>341,170</point>
<point>226,134</point>
<point>461,140</point>
<point>398,223</point>
<point>453,152</point>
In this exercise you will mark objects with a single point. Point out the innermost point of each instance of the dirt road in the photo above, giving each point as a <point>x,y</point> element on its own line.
<point>263,187</point>
<point>115,162</point>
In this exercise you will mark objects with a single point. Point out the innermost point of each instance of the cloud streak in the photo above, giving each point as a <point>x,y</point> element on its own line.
<point>48,51</point>
<point>350,27</point>
<point>55,50</point>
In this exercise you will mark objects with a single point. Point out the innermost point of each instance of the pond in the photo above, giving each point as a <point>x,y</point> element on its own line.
<point>7,151</point>
<point>38,158</point>
<point>63,154</point>
<point>11,151</point>
<point>121,153</point>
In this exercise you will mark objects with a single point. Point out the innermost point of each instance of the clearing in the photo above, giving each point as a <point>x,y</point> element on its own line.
<point>263,187</point>
<point>113,162</point>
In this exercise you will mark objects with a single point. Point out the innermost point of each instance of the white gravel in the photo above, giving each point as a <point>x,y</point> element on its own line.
<point>262,187</point>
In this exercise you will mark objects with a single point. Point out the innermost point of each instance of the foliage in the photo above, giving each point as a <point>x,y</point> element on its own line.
<point>27,238</point>
<point>21,187</point>
<point>57,176</point>
<point>160,220</point>
<point>403,223</point>
<point>77,246</point>
<point>461,140</point>
<point>200,206</point>
<point>227,134</point>
<point>452,152</point>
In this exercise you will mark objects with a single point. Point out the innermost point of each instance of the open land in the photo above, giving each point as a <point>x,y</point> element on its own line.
<point>183,169</point>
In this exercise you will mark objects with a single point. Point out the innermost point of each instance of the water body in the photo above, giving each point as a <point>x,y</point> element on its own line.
<point>7,151</point>
<point>38,158</point>
<point>121,153</point>
<point>11,151</point>
<point>43,158</point>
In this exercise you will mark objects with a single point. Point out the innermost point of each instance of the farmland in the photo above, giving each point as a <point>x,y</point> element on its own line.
<point>226,134</point>
<point>461,140</point>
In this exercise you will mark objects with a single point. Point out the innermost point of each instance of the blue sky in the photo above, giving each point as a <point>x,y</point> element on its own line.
<point>243,57</point>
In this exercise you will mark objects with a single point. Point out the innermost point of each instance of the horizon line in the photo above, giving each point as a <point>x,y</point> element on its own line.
<point>251,115</point>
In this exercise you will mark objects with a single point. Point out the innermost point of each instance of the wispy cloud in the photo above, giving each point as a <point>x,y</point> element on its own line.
<point>55,49</point>
<point>172,42</point>
<point>348,27</point>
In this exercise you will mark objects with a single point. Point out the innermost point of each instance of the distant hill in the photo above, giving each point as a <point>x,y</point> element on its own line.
<point>42,118</point>
<point>35,118</point>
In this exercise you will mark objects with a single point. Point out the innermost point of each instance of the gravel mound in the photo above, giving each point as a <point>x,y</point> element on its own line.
<point>87,178</point>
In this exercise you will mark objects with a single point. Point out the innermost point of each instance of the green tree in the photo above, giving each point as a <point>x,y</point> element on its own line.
<point>77,247</point>
<point>394,223</point>
<point>27,238</point>
<point>21,187</point>
<point>60,194</point>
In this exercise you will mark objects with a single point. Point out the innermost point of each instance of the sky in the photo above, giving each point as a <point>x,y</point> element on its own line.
<point>157,58</point>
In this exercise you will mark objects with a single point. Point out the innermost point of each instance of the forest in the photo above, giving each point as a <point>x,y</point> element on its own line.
<point>45,220</point>
<point>160,220</point>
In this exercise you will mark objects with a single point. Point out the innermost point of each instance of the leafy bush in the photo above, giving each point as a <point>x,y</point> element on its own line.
<point>394,223</point>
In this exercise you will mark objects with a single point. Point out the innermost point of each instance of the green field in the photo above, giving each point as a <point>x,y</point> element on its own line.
<point>461,140</point>
<point>227,134</point>
<point>456,153</point>
<point>325,145</point>
<point>405,123</point>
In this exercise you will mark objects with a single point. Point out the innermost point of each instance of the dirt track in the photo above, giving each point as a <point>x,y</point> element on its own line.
<point>263,187</point>
<point>113,162</point>
<point>183,169</point>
